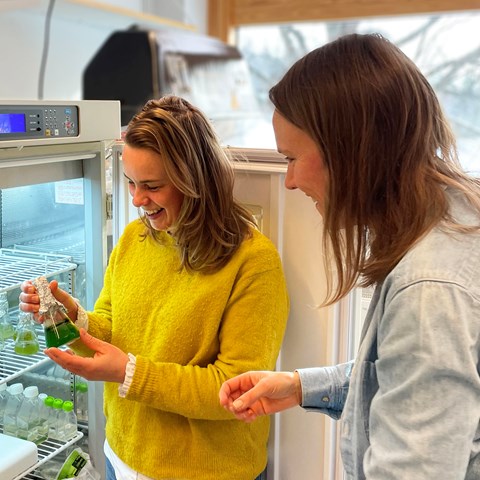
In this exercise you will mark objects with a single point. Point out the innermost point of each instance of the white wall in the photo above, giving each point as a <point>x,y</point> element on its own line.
<point>76,33</point>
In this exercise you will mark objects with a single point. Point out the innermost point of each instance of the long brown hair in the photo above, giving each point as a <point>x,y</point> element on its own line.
<point>211,224</point>
<point>388,149</point>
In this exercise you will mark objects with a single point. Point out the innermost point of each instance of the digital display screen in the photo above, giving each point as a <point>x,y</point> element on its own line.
<point>12,123</point>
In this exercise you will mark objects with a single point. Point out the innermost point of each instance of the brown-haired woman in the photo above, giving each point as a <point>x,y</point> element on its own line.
<point>366,139</point>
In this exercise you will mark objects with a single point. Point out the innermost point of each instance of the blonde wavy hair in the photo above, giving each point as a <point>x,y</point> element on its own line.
<point>211,224</point>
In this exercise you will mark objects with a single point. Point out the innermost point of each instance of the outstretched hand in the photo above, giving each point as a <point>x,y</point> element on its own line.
<point>107,364</point>
<point>257,393</point>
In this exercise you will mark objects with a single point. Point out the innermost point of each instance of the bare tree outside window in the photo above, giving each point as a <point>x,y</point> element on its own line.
<point>445,47</point>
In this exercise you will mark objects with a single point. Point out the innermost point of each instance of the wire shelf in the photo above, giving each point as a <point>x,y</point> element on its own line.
<point>12,365</point>
<point>16,266</point>
<point>46,451</point>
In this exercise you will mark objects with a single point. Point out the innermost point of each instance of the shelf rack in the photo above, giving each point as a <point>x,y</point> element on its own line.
<point>16,266</point>
<point>46,451</point>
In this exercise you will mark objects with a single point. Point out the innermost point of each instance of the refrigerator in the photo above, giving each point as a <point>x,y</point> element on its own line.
<point>301,444</point>
<point>55,221</point>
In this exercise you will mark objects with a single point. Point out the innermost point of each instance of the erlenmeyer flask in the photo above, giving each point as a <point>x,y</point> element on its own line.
<point>59,329</point>
<point>6,327</point>
<point>26,341</point>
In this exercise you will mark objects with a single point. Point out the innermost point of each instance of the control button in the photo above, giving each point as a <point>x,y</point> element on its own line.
<point>48,133</point>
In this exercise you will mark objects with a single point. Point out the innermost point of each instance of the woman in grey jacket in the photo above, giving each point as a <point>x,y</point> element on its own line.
<point>366,139</point>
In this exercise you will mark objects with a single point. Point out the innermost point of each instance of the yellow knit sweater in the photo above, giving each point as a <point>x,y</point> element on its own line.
<point>189,333</point>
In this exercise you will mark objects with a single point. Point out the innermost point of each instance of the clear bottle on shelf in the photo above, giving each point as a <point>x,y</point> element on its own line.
<point>29,423</point>
<point>6,327</point>
<point>44,416</point>
<point>55,430</point>
<point>26,341</point>
<point>51,419</point>
<point>67,421</point>
<point>3,398</point>
<point>14,401</point>
<point>82,400</point>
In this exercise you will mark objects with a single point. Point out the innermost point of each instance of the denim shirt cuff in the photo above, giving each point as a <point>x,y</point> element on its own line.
<point>325,388</point>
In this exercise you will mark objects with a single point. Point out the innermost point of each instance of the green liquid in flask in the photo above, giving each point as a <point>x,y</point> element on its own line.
<point>6,331</point>
<point>26,347</point>
<point>61,334</point>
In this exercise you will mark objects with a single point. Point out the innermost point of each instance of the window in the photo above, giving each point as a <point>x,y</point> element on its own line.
<point>445,47</point>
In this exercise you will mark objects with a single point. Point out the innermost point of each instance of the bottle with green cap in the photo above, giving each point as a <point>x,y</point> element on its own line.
<point>43,417</point>
<point>68,421</point>
<point>48,402</point>
<point>82,400</point>
<point>55,430</point>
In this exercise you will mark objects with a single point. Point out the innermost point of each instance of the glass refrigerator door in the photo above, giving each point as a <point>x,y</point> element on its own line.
<point>53,218</point>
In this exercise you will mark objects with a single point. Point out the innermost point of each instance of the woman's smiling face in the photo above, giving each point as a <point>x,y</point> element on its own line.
<point>306,168</point>
<point>150,188</point>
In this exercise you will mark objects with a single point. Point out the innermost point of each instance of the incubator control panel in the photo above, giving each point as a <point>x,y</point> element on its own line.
<point>34,121</point>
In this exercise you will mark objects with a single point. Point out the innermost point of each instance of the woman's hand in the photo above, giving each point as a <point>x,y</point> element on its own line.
<point>108,363</point>
<point>30,301</point>
<point>253,394</point>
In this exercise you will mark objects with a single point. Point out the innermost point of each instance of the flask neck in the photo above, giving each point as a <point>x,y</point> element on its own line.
<point>54,315</point>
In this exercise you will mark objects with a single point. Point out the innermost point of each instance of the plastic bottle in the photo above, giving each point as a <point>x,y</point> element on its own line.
<point>67,421</point>
<point>82,400</point>
<point>51,420</point>
<point>3,398</point>
<point>55,430</point>
<point>14,401</point>
<point>28,417</point>
<point>26,341</point>
<point>44,416</point>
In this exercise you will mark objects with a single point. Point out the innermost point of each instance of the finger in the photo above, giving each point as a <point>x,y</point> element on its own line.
<point>247,416</point>
<point>224,394</point>
<point>90,341</point>
<point>247,399</point>
<point>61,295</point>
<point>27,287</point>
<point>66,360</point>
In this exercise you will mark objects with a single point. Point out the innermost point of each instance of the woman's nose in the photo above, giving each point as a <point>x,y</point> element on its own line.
<point>139,199</point>
<point>289,179</point>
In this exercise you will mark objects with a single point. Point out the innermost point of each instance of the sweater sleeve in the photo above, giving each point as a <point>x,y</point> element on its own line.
<point>100,320</point>
<point>249,338</point>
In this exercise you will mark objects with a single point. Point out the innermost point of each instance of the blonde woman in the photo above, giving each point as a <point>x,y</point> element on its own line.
<point>193,295</point>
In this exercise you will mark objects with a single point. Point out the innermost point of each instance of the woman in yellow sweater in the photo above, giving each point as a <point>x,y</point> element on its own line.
<point>193,295</point>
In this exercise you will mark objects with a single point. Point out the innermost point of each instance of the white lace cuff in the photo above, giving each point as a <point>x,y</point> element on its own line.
<point>129,371</point>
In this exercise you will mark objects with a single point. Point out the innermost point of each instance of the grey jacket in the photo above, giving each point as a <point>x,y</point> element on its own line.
<point>410,405</point>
